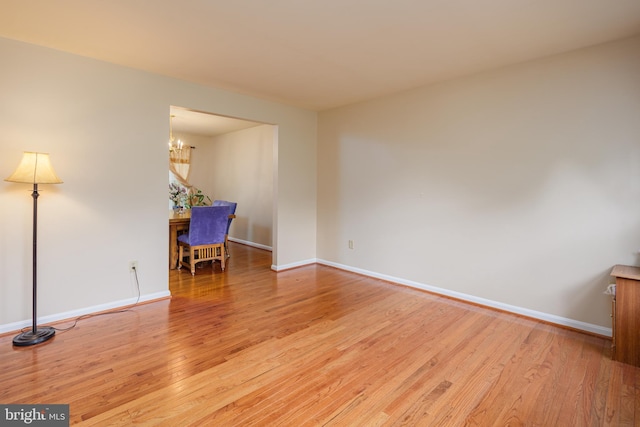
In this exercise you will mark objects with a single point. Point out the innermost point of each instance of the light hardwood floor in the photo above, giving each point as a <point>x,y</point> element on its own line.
<point>318,346</point>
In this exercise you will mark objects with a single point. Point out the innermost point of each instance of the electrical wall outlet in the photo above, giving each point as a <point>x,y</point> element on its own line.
<point>133,265</point>
<point>350,244</point>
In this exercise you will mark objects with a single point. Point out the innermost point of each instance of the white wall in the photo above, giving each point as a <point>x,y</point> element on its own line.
<point>519,186</point>
<point>238,166</point>
<point>106,128</point>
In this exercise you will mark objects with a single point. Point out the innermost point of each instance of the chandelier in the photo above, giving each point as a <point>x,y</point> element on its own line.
<point>174,146</point>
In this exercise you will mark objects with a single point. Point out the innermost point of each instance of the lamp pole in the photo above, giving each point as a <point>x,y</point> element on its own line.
<point>35,168</point>
<point>34,267</point>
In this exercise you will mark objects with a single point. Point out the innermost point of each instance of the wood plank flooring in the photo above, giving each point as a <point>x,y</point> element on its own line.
<point>318,346</point>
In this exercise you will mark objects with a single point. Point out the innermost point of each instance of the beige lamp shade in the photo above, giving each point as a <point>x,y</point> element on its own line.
<point>35,168</point>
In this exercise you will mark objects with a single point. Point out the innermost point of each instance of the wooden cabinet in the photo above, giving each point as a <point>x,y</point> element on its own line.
<point>626,315</point>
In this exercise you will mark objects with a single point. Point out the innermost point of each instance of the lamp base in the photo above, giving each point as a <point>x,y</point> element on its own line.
<point>42,334</point>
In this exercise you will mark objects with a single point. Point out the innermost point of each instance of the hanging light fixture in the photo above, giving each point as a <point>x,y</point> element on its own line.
<point>174,146</point>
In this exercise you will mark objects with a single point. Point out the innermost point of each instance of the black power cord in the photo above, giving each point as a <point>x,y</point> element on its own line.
<point>87,316</point>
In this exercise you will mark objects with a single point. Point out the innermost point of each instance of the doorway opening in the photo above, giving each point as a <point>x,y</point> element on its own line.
<point>231,159</point>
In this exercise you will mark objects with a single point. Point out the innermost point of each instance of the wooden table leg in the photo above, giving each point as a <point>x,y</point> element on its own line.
<point>173,246</point>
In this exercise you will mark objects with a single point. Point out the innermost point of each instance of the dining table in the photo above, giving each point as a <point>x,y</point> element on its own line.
<point>178,222</point>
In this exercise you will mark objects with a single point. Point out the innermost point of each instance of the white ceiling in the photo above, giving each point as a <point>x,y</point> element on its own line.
<point>317,54</point>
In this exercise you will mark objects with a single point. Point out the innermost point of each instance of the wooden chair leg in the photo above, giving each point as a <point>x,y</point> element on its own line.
<point>203,253</point>
<point>192,261</point>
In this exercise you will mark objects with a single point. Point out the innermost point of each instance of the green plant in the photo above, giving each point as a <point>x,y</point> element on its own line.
<point>198,199</point>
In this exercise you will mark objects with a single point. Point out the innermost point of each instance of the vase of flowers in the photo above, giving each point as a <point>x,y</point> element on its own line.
<point>185,199</point>
<point>178,195</point>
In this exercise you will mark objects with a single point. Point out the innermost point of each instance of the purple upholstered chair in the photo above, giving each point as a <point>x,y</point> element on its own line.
<point>206,236</point>
<point>232,210</point>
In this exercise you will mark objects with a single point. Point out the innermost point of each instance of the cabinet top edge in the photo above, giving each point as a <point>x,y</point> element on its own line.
<point>626,272</point>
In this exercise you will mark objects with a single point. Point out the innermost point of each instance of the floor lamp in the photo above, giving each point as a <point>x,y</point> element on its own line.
<point>35,168</point>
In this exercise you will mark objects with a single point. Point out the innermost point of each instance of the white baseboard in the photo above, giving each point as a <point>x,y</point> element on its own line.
<point>551,318</point>
<point>294,265</point>
<point>255,245</point>
<point>546,317</point>
<point>16,326</point>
